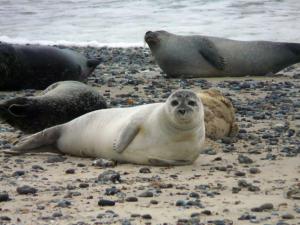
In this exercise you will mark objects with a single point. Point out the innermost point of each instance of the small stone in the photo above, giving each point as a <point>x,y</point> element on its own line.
<point>154,202</point>
<point>253,188</point>
<point>254,170</point>
<point>131,199</point>
<point>109,176</point>
<point>4,197</point>
<point>235,190</point>
<point>84,185</point>
<point>4,218</point>
<point>206,212</point>
<point>111,191</point>
<point>104,202</point>
<point>25,189</point>
<point>147,216</point>
<point>194,195</point>
<point>55,159</point>
<point>244,159</point>
<point>57,214</point>
<point>70,171</point>
<point>239,174</point>
<point>63,203</point>
<point>18,173</point>
<point>146,194</point>
<point>103,163</point>
<point>180,203</point>
<point>37,167</point>
<point>263,207</point>
<point>288,216</point>
<point>246,216</point>
<point>81,165</point>
<point>145,170</point>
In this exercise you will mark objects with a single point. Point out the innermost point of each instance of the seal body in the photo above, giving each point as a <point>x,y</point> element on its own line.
<point>36,67</point>
<point>170,133</point>
<point>219,114</point>
<point>204,56</point>
<point>59,103</point>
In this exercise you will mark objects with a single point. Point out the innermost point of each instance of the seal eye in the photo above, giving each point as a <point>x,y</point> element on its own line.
<point>192,103</point>
<point>174,103</point>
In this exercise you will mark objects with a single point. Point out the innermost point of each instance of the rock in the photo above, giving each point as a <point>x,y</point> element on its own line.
<point>239,174</point>
<point>25,189</point>
<point>247,216</point>
<point>147,216</point>
<point>154,202</point>
<point>194,195</point>
<point>55,159</point>
<point>37,167</point>
<point>84,185</point>
<point>18,173</point>
<point>70,171</point>
<point>131,199</point>
<point>104,202</point>
<point>244,159</point>
<point>288,216</point>
<point>57,214</point>
<point>263,207</point>
<point>206,212</point>
<point>103,163</point>
<point>63,203</point>
<point>4,197</point>
<point>146,194</point>
<point>111,191</point>
<point>5,218</point>
<point>254,170</point>
<point>180,203</point>
<point>109,176</point>
<point>145,170</point>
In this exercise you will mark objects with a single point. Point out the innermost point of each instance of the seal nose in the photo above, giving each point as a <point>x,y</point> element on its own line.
<point>148,32</point>
<point>181,111</point>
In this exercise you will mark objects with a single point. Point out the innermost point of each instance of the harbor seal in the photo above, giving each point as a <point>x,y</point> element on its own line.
<point>59,103</point>
<point>37,66</point>
<point>219,115</point>
<point>169,133</point>
<point>204,56</point>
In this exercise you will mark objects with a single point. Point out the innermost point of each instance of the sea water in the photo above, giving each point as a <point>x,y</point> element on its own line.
<point>123,22</point>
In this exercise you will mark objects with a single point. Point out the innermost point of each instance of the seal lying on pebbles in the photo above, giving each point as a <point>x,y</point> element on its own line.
<point>169,133</point>
<point>36,67</point>
<point>219,115</point>
<point>59,103</point>
<point>204,56</point>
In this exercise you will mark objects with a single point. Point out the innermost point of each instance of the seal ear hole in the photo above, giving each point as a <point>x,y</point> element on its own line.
<point>18,110</point>
<point>174,103</point>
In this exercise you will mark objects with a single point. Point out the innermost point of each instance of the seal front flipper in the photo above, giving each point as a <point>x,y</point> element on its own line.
<point>166,162</point>
<point>210,53</point>
<point>35,142</point>
<point>127,135</point>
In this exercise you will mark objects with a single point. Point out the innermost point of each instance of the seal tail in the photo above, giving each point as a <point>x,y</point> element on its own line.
<point>92,63</point>
<point>37,142</point>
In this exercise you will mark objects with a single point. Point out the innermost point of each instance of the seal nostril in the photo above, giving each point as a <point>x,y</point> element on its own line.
<point>181,111</point>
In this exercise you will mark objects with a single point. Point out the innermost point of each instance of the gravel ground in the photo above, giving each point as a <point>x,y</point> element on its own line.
<point>254,178</point>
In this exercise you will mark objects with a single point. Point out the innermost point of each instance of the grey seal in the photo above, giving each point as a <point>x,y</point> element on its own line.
<point>37,66</point>
<point>168,133</point>
<point>205,56</point>
<point>59,103</point>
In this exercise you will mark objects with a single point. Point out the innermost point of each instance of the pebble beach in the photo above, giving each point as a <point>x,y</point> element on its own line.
<point>252,178</point>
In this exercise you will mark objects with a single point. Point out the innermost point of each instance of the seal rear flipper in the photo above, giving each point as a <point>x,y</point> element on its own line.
<point>210,53</point>
<point>166,162</point>
<point>35,142</point>
<point>127,135</point>
<point>92,63</point>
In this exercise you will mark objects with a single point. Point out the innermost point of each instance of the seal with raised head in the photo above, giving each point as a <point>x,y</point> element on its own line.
<point>37,66</point>
<point>59,103</point>
<point>169,133</point>
<point>205,56</point>
<point>219,115</point>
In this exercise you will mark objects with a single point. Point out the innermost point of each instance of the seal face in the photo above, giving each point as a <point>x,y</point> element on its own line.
<point>34,66</point>
<point>204,56</point>
<point>170,133</point>
<point>59,103</point>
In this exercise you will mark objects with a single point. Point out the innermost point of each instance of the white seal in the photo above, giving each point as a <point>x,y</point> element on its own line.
<point>169,133</point>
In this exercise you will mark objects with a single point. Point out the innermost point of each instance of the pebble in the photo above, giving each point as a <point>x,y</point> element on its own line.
<point>147,216</point>
<point>103,163</point>
<point>111,191</point>
<point>131,199</point>
<point>244,159</point>
<point>70,171</point>
<point>4,197</point>
<point>109,176</point>
<point>263,207</point>
<point>287,216</point>
<point>55,159</point>
<point>239,174</point>
<point>84,185</point>
<point>145,170</point>
<point>254,170</point>
<point>104,202</point>
<point>146,194</point>
<point>25,189</point>
<point>18,173</point>
<point>63,203</point>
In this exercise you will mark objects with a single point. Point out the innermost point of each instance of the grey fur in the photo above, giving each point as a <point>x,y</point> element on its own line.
<point>204,56</point>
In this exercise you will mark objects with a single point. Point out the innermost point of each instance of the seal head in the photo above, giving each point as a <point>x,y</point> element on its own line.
<point>184,109</point>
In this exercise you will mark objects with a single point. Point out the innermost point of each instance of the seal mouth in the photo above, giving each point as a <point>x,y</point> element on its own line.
<point>151,37</point>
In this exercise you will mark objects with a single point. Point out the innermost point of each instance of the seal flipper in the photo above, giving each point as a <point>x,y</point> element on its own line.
<point>35,142</point>
<point>210,53</point>
<point>127,135</point>
<point>166,162</point>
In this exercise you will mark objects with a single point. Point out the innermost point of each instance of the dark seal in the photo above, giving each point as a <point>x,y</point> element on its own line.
<point>59,103</point>
<point>36,67</point>
<point>204,56</point>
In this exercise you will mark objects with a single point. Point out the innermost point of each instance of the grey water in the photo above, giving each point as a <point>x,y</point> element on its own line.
<point>124,22</point>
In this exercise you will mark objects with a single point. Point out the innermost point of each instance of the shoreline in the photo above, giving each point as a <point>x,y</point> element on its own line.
<point>218,186</point>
